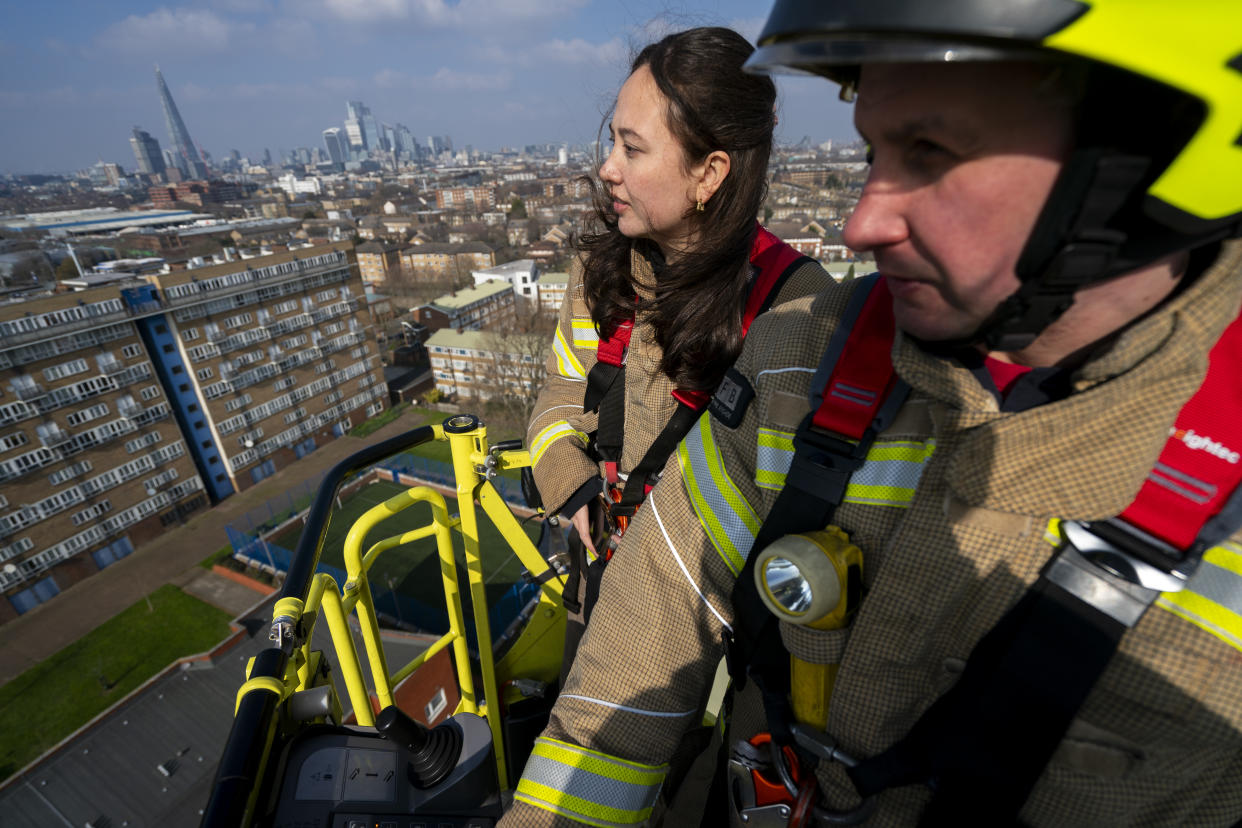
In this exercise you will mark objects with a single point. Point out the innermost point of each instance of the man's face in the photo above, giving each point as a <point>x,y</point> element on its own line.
<point>963,158</point>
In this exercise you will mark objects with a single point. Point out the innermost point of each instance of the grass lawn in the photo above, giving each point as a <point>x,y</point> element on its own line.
<point>377,422</point>
<point>49,701</point>
<point>413,569</point>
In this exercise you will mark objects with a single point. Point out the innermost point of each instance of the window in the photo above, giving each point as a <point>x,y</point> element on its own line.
<point>168,349</point>
<point>205,373</point>
<point>132,350</point>
<point>206,444</point>
<point>184,388</point>
<point>436,706</point>
<point>28,599</point>
<point>150,392</point>
<point>189,335</point>
<point>192,407</point>
<point>177,369</point>
<point>161,328</point>
<point>12,441</point>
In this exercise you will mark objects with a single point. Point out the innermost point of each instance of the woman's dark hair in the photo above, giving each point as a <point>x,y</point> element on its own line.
<point>696,311</point>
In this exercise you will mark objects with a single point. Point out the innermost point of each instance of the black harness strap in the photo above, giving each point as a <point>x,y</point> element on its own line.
<point>814,487</point>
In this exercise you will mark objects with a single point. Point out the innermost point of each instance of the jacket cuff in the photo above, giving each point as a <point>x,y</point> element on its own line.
<point>585,493</point>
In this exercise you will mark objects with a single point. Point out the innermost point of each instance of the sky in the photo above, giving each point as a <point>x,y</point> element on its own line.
<point>77,75</point>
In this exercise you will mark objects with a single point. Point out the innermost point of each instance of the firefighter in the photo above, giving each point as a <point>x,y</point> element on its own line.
<point>1053,204</point>
<point>669,279</point>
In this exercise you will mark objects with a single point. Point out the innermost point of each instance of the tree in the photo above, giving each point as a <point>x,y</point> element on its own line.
<point>66,269</point>
<point>519,350</point>
<point>517,208</point>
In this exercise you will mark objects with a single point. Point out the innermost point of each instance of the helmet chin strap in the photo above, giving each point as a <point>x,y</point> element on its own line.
<point>1072,245</point>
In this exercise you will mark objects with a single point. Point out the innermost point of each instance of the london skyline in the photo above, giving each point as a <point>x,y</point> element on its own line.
<point>250,76</point>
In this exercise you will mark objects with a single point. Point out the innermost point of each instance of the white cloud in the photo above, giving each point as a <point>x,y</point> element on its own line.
<point>466,14</point>
<point>445,80</point>
<point>188,30</point>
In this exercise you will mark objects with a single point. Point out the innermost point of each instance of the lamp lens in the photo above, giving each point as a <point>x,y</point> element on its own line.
<point>787,586</point>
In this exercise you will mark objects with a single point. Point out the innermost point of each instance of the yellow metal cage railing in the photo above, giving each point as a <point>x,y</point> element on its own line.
<point>289,679</point>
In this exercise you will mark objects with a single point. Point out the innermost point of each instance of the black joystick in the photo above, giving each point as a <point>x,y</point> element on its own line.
<point>433,752</point>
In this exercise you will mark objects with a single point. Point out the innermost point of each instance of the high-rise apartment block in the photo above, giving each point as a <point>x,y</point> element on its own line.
<point>147,153</point>
<point>124,408</point>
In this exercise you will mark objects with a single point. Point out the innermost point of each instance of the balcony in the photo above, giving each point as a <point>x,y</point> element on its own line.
<point>54,436</point>
<point>129,411</point>
<point>28,392</point>
<point>111,367</point>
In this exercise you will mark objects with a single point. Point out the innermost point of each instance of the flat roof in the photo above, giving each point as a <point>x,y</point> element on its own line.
<point>84,221</point>
<point>467,296</point>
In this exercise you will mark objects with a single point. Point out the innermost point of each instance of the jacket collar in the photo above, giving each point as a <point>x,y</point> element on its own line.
<point>1086,456</point>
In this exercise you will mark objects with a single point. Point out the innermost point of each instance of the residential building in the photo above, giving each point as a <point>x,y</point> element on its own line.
<point>376,259</point>
<point>522,274</point>
<point>124,408</point>
<point>438,260</point>
<point>466,198</point>
<point>194,192</point>
<point>92,463</point>
<point>481,306</point>
<point>469,364</point>
<point>551,289</point>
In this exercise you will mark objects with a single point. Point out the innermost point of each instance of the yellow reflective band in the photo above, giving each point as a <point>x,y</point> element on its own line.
<point>585,335</point>
<point>566,363</point>
<point>879,495</point>
<point>729,521</point>
<point>545,438</point>
<point>1211,600</point>
<point>589,786</point>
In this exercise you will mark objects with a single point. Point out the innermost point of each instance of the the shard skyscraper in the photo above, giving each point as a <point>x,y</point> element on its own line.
<point>188,158</point>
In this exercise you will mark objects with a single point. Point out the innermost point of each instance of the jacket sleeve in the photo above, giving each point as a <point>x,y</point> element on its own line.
<point>557,433</point>
<point>645,666</point>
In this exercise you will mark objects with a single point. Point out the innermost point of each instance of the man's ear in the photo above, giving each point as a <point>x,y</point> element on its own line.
<point>712,172</point>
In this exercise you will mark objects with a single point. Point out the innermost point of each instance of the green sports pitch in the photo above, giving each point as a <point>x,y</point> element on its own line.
<point>412,569</point>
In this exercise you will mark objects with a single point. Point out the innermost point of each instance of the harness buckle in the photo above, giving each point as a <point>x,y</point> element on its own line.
<point>1109,566</point>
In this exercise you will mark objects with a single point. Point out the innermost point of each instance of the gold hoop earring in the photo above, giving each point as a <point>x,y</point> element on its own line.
<point>698,205</point>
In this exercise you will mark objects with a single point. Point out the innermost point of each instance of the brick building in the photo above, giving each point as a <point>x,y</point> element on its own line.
<point>437,260</point>
<point>481,306</point>
<point>376,259</point>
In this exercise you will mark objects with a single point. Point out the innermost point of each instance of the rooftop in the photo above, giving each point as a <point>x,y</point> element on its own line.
<point>469,295</point>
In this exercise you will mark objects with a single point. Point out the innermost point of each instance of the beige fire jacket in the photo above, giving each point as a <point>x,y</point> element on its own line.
<point>952,512</point>
<point>557,433</point>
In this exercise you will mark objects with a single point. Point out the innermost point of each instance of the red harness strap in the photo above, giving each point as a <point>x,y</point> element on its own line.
<point>863,373</point>
<point>775,261</point>
<point>1201,464</point>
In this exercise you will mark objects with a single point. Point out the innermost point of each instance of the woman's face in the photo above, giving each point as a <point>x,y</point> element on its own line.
<point>653,192</point>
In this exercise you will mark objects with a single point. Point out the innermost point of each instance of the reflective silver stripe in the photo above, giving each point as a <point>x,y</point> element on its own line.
<point>584,333</point>
<point>589,786</point>
<point>567,364</point>
<point>1212,600</point>
<point>729,521</point>
<point>549,435</point>
<point>889,477</point>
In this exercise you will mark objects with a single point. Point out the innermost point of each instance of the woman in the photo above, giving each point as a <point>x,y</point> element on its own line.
<point>658,302</point>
